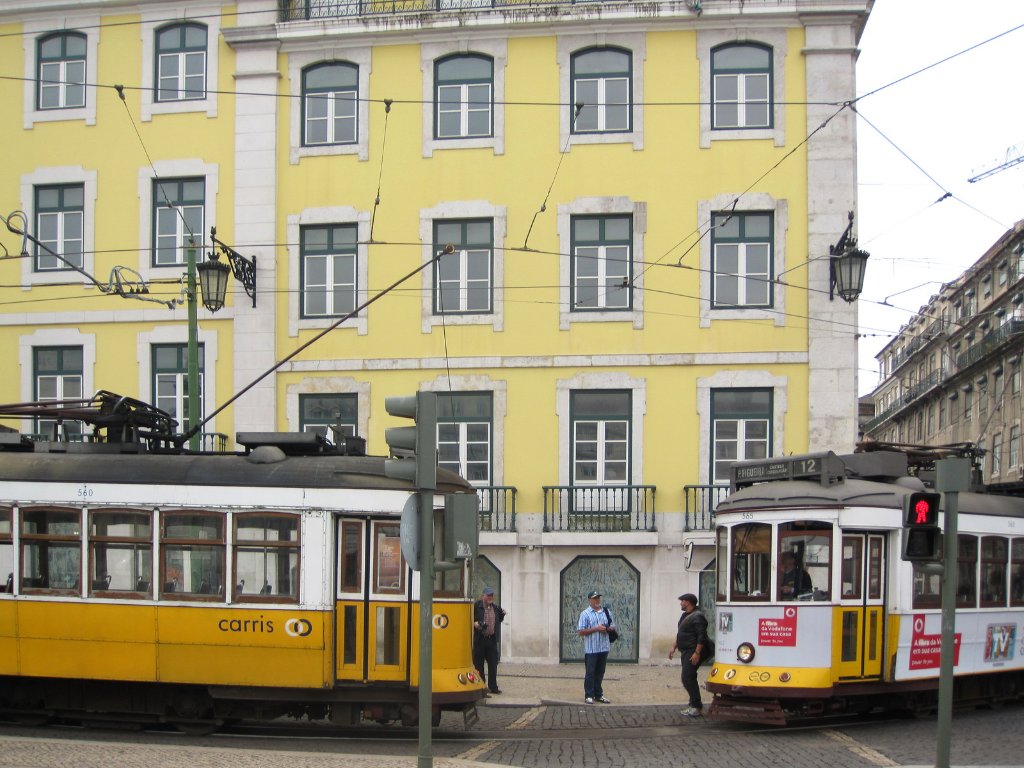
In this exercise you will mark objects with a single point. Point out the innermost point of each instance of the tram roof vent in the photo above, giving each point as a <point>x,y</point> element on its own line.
<point>877,465</point>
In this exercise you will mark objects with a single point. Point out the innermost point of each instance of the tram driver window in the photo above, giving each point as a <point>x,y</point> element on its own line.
<point>751,561</point>
<point>6,552</point>
<point>805,560</point>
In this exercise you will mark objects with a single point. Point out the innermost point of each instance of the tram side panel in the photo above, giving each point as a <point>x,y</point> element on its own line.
<point>985,641</point>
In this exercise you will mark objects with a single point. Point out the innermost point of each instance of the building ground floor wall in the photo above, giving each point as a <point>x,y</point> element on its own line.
<point>544,588</point>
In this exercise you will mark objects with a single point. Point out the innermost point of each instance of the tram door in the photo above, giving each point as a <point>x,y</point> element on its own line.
<point>857,648</point>
<point>372,602</point>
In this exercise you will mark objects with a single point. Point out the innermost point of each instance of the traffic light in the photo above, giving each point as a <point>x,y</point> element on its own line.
<point>461,526</point>
<point>922,539</point>
<point>417,445</point>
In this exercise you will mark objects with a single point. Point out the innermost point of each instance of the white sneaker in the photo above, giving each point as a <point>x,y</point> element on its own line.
<point>603,700</point>
<point>692,712</point>
<point>588,700</point>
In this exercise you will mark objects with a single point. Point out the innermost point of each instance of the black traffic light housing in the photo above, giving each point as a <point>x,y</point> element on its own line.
<point>922,537</point>
<point>417,444</point>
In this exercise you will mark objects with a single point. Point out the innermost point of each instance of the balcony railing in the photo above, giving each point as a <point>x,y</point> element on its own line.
<point>599,508</point>
<point>497,507</point>
<point>700,501</point>
<point>989,342</point>
<point>300,10</point>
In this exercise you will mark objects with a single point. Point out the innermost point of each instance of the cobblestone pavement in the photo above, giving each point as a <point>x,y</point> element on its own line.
<point>540,721</point>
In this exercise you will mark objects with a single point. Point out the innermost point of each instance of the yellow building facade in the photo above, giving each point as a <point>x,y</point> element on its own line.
<point>639,200</point>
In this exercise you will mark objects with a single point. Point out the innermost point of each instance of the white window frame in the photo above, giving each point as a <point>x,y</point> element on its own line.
<point>777,40</point>
<point>497,50</point>
<point>173,169</point>
<point>331,283</point>
<point>601,206</point>
<point>471,209</point>
<point>567,45</point>
<point>324,217</point>
<point>58,175</point>
<point>752,202</point>
<point>32,30</point>
<point>54,337</point>
<point>177,333</point>
<point>738,379</point>
<point>300,59</point>
<point>151,21</point>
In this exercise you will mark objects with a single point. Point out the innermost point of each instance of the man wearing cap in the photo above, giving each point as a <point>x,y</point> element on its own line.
<point>487,619</point>
<point>691,642</point>
<point>593,628</point>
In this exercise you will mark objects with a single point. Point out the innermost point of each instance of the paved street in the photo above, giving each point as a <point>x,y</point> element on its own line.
<point>534,724</point>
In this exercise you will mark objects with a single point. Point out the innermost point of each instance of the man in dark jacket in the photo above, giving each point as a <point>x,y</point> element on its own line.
<point>487,619</point>
<point>691,642</point>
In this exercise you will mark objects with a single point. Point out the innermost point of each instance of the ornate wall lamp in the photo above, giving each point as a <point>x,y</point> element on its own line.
<point>847,265</point>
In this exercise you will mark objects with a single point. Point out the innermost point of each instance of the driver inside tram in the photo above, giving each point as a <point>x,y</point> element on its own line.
<point>794,580</point>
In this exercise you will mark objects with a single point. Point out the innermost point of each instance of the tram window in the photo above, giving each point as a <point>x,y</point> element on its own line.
<point>875,567</point>
<point>192,555</point>
<point>927,588</point>
<point>805,560</point>
<point>853,567</point>
<point>7,561</point>
<point>389,625</point>
<point>388,564</point>
<point>267,556</point>
<point>120,551</point>
<point>350,572</point>
<point>751,561</point>
<point>1017,572</point>
<point>446,583</point>
<point>967,571</point>
<point>723,557</point>
<point>994,557</point>
<point>51,550</point>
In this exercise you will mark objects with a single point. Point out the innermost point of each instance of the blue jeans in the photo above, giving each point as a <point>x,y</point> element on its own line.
<point>594,664</point>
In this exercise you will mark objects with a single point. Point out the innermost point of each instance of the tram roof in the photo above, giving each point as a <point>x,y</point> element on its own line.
<point>856,492</point>
<point>252,470</point>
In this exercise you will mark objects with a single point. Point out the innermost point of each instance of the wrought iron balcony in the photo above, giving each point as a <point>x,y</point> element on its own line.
<point>700,502</point>
<point>989,342</point>
<point>497,507</point>
<point>599,508</point>
<point>300,10</point>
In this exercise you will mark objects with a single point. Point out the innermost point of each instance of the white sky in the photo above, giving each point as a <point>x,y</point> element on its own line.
<point>954,120</point>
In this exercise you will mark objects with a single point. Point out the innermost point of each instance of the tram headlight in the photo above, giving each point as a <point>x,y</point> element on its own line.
<point>745,653</point>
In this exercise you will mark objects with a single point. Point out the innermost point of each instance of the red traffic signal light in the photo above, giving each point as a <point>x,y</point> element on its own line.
<point>921,510</point>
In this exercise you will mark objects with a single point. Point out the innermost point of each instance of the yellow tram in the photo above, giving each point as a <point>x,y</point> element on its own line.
<point>141,582</point>
<point>818,613</point>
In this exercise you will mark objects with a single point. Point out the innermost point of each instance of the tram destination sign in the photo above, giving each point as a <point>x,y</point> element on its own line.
<point>827,468</point>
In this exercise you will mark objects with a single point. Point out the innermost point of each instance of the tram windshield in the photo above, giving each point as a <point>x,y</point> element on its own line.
<point>805,560</point>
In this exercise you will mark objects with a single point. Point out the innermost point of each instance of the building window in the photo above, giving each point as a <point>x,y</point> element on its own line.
<point>321,413</point>
<point>181,62</point>
<point>741,260</point>
<point>329,270</point>
<point>464,97</point>
<point>57,373</point>
<point>600,432</point>
<point>60,71</point>
<point>1015,380</point>
<point>601,82</point>
<point>178,220</point>
<point>741,428</point>
<point>602,262</point>
<point>60,226</point>
<point>170,380</point>
<point>1014,447</point>
<point>462,279</point>
<point>997,453</point>
<point>330,98</point>
<point>968,404</point>
<point>741,86</point>
<point>464,432</point>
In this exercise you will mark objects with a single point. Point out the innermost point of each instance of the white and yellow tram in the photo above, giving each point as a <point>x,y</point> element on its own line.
<point>861,629</point>
<point>145,583</point>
